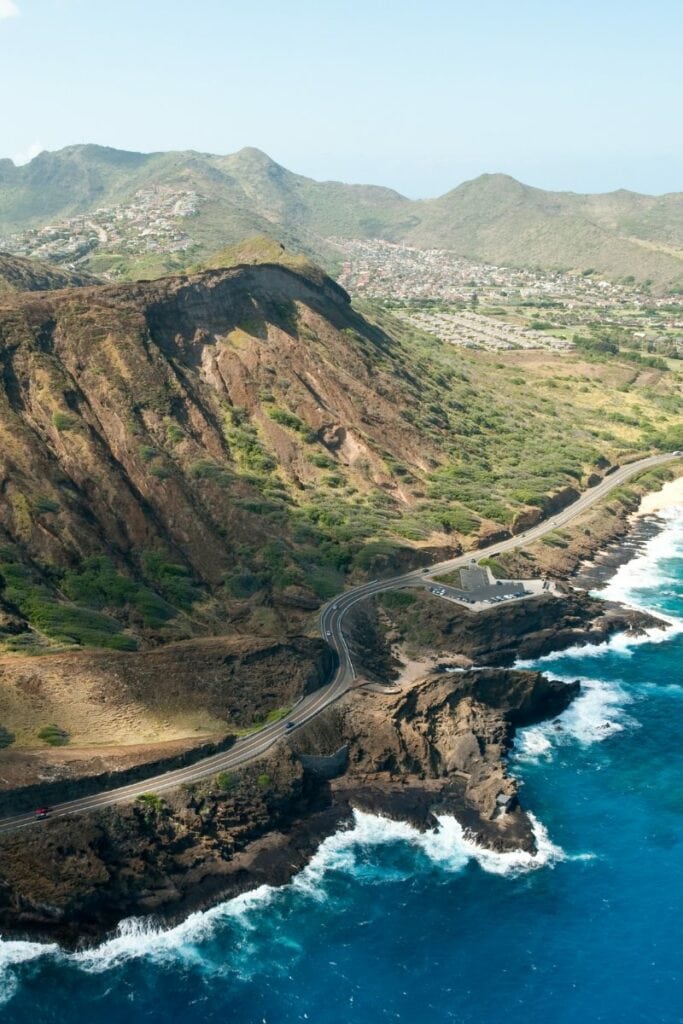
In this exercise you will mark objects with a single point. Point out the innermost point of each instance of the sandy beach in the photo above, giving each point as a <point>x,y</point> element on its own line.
<point>671,494</point>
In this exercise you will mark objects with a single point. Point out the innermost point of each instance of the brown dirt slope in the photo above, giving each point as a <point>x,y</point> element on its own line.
<point>19,274</point>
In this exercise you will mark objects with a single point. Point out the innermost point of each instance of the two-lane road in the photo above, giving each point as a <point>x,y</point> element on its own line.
<point>331,626</point>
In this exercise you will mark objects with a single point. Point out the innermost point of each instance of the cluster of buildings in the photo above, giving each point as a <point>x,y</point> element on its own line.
<point>446,294</point>
<point>472,330</point>
<point>149,223</point>
<point>382,269</point>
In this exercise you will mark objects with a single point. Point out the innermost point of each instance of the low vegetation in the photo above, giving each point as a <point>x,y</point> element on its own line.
<point>328,441</point>
<point>152,803</point>
<point>7,738</point>
<point>53,735</point>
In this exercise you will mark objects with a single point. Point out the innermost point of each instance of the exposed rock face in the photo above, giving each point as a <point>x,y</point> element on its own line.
<point>448,735</point>
<point>439,747</point>
<point>553,503</point>
<point>508,632</point>
<point>179,418</point>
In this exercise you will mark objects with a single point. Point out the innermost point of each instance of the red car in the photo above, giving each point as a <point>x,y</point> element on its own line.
<point>41,812</point>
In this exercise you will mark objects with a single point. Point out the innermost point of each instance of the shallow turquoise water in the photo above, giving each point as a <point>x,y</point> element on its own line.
<point>388,925</point>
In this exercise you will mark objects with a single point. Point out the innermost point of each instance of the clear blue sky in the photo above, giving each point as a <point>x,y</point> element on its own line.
<point>419,96</point>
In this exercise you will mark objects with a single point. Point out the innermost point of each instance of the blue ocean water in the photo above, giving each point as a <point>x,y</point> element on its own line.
<point>388,925</point>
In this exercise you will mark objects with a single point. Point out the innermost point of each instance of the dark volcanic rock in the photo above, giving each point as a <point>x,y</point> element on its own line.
<point>515,630</point>
<point>439,747</point>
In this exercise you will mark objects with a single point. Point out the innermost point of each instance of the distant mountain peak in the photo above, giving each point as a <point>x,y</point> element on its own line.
<point>205,203</point>
<point>254,153</point>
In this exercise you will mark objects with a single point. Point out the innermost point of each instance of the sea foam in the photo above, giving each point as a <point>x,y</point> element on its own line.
<point>641,580</point>
<point>146,937</point>
<point>596,714</point>
<point>347,851</point>
<point>599,711</point>
<point>448,846</point>
<point>12,955</point>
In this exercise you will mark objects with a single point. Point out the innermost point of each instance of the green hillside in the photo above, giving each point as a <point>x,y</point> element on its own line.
<point>497,219</point>
<point>494,217</point>
<point>220,452</point>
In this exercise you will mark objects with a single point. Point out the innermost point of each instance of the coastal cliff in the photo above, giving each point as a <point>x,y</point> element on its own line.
<point>431,745</point>
<point>437,748</point>
<point>407,748</point>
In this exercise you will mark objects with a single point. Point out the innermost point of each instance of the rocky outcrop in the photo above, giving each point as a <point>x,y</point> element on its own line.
<point>512,631</point>
<point>436,748</point>
<point>447,738</point>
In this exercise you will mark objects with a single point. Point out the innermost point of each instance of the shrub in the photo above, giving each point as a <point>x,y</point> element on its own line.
<point>263,781</point>
<point>398,599</point>
<point>459,520</point>
<point>226,781</point>
<point>160,472</point>
<point>7,738</point>
<point>71,624</point>
<point>64,420</point>
<point>322,461</point>
<point>553,540</point>
<point>147,453</point>
<point>207,469</point>
<point>173,432</point>
<point>151,802</point>
<point>286,418</point>
<point>43,505</point>
<point>245,446</point>
<point>243,583</point>
<point>495,567</point>
<point>53,735</point>
<point>170,579</point>
<point>98,585</point>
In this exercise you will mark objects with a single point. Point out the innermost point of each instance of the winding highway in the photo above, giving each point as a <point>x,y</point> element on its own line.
<point>331,622</point>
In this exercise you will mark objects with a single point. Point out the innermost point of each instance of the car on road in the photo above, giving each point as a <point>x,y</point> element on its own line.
<point>289,725</point>
<point>41,813</point>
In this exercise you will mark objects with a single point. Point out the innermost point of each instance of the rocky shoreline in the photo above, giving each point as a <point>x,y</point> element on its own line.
<point>595,573</point>
<point>437,746</point>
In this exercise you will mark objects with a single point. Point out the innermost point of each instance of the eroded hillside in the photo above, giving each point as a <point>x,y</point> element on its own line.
<point>18,274</point>
<point>218,453</point>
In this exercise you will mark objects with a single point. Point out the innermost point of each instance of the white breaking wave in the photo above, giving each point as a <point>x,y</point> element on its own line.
<point>145,937</point>
<point>137,938</point>
<point>596,714</point>
<point>12,954</point>
<point>448,846</point>
<point>618,643</point>
<point>632,581</point>
<point>599,712</point>
<point>346,851</point>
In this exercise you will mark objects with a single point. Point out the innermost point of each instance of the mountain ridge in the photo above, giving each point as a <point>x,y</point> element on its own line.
<point>494,217</point>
